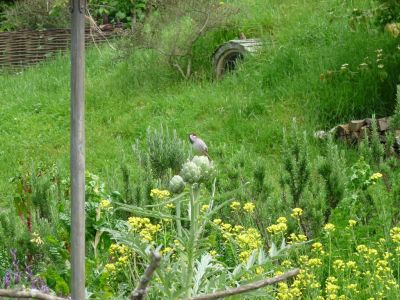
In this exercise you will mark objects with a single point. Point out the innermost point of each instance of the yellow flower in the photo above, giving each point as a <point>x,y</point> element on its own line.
<point>361,248</point>
<point>339,264</point>
<point>286,263</point>
<point>226,226</point>
<point>331,288</point>
<point>249,207</point>
<point>277,228</point>
<point>105,204</point>
<point>352,287</point>
<point>213,253</point>
<point>235,205</point>
<point>170,205</point>
<point>159,194</point>
<point>136,222</point>
<point>281,220</point>
<point>249,238</point>
<point>283,291</point>
<point>259,270</point>
<point>238,228</point>
<point>351,265</point>
<point>217,221</point>
<point>204,208</point>
<point>143,226</point>
<point>317,247</point>
<point>395,234</point>
<point>244,256</point>
<point>303,259</point>
<point>296,292</point>
<point>166,250</point>
<point>329,227</point>
<point>296,212</point>
<point>36,239</point>
<point>110,268</point>
<point>376,176</point>
<point>297,238</point>
<point>118,249</point>
<point>314,262</point>
<point>352,223</point>
<point>123,260</point>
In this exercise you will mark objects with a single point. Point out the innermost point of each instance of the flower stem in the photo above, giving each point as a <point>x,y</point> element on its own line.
<point>192,239</point>
<point>178,218</point>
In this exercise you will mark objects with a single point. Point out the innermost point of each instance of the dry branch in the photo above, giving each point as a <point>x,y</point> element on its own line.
<point>248,287</point>
<point>35,294</point>
<point>148,273</point>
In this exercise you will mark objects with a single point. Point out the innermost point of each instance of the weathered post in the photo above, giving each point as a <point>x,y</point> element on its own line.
<point>78,149</point>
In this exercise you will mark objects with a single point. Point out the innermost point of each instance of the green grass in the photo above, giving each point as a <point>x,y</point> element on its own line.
<point>247,109</point>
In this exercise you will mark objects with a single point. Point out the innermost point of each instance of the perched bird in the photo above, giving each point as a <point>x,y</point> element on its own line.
<point>198,145</point>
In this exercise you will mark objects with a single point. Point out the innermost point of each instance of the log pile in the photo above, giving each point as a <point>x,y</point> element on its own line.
<point>356,130</point>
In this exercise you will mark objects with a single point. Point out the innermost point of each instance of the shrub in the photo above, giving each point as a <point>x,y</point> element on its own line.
<point>296,164</point>
<point>387,12</point>
<point>176,28</point>
<point>37,14</point>
<point>164,151</point>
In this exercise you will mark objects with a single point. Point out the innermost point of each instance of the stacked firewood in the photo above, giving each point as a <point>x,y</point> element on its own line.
<point>356,130</point>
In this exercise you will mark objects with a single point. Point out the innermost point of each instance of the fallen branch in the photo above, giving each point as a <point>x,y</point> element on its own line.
<point>35,294</point>
<point>148,273</point>
<point>248,287</point>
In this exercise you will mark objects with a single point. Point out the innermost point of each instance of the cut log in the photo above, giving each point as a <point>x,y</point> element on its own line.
<point>356,125</point>
<point>364,132</point>
<point>342,130</point>
<point>355,136</point>
<point>226,56</point>
<point>383,124</point>
<point>368,122</point>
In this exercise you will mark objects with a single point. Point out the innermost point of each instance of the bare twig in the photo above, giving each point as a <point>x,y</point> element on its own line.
<point>148,273</point>
<point>35,294</point>
<point>247,287</point>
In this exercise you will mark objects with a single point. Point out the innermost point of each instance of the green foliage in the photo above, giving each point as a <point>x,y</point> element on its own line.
<point>331,167</point>
<point>126,12</point>
<point>3,7</point>
<point>377,149</point>
<point>56,282</point>
<point>388,11</point>
<point>178,26</point>
<point>36,14</point>
<point>395,121</point>
<point>164,151</point>
<point>296,164</point>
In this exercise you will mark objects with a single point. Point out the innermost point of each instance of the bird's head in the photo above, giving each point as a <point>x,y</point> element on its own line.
<point>192,137</point>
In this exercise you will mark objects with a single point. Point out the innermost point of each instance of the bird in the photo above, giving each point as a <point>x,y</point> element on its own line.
<point>199,145</point>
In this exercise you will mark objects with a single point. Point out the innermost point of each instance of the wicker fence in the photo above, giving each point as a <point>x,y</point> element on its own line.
<point>19,49</point>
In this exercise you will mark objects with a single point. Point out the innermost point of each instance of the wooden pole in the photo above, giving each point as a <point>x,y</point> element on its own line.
<point>78,149</point>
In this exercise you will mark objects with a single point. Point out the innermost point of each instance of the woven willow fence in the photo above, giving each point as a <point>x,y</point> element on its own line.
<point>19,49</point>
